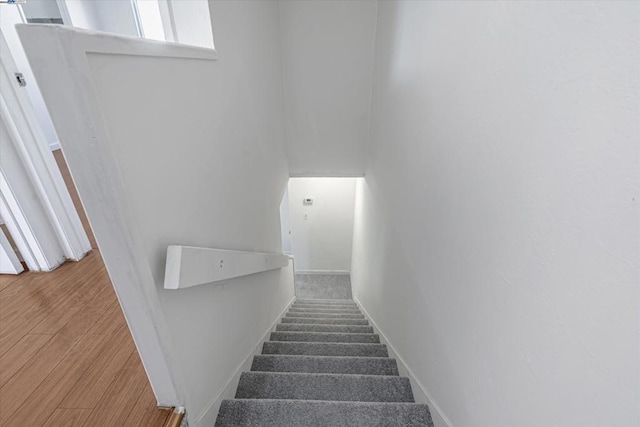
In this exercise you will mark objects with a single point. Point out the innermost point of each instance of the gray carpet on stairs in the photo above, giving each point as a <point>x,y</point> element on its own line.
<point>323,366</point>
<point>303,386</point>
<point>330,304</point>
<point>356,329</point>
<point>312,413</point>
<point>324,337</point>
<point>324,321</point>
<point>337,304</point>
<point>324,309</point>
<point>327,301</point>
<point>332,286</point>
<point>321,315</point>
<point>325,349</point>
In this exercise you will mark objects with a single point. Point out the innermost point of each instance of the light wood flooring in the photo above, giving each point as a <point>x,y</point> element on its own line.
<point>66,354</point>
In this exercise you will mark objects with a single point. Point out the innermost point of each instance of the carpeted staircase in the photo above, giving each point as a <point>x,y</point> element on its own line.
<point>323,366</point>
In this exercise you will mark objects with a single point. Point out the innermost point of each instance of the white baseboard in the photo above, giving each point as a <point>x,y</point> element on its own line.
<point>208,418</point>
<point>336,272</point>
<point>54,146</point>
<point>420,392</point>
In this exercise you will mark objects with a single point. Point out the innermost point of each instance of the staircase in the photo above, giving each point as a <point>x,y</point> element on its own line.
<point>323,366</point>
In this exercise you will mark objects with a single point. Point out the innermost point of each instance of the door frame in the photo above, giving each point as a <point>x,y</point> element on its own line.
<point>62,234</point>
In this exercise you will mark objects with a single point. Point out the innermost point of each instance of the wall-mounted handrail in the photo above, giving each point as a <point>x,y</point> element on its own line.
<point>191,266</point>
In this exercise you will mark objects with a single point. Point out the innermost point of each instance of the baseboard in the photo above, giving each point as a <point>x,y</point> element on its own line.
<point>176,417</point>
<point>208,418</point>
<point>421,394</point>
<point>336,272</point>
<point>54,146</point>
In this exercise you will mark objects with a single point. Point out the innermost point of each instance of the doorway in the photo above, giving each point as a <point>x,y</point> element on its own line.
<point>317,229</point>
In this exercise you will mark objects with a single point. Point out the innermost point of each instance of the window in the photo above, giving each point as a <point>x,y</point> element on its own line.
<point>185,22</point>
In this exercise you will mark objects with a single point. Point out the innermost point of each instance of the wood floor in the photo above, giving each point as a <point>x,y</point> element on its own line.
<point>66,355</point>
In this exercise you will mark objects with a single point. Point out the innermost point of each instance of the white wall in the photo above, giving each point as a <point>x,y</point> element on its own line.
<point>327,59</point>
<point>497,234</point>
<point>198,147</point>
<point>323,241</point>
<point>220,187</point>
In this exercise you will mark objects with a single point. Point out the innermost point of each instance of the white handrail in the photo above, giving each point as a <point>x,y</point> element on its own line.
<point>191,266</point>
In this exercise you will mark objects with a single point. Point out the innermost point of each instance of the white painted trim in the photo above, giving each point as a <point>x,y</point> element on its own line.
<point>208,417</point>
<point>64,12</point>
<point>9,262</point>
<point>423,394</point>
<point>39,164</point>
<point>54,146</point>
<point>168,21</point>
<point>136,17</point>
<point>59,58</point>
<point>20,230</point>
<point>335,272</point>
<point>91,41</point>
<point>28,160</point>
<point>188,266</point>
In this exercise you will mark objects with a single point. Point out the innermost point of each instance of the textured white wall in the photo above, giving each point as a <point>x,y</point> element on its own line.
<point>497,234</point>
<point>327,58</point>
<point>323,241</point>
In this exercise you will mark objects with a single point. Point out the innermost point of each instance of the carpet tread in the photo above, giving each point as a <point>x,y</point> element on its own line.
<point>323,366</point>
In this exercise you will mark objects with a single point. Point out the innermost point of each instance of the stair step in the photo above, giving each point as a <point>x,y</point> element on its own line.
<point>303,386</point>
<point>325,364</point>
<point>324,337</point>
<point>325,349</point>
<point>326,301</point>
<point>326,315</point>
<point>324,310</point>
<point>333,310</point>
<point>295,413</point>
<point>325,306</point>
<point>355,329</point>
<point>311,320</point>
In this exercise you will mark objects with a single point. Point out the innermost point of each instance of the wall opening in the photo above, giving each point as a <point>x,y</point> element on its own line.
<point>317,228</point>
<point>321,223</point>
